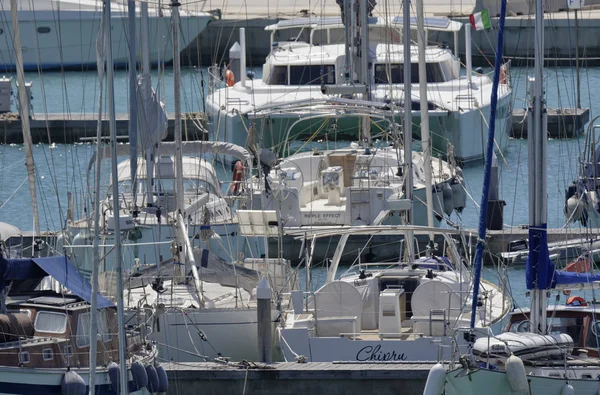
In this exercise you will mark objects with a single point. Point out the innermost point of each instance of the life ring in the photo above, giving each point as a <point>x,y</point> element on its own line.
<point>503,74</point>
<point>580,265</point>
<point>238,176</point>
<point>229,77</point>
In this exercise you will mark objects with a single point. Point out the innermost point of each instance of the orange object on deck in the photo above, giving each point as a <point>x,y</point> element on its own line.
<point>580,265</point>
<point>229,78</point>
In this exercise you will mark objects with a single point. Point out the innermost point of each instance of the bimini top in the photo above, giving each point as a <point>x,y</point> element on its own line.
<point>59,267</point>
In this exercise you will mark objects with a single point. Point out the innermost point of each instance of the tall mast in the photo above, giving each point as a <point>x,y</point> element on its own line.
<point>177,104</point>
<point>489,154</point>
<point>96,212</point>
<point>537,262</point>
<point>407,129</point>
<point>110,88</point>
<point>133,126</point>
<point>424,115</point>
<point>150,147</point>
<point>24,105</point>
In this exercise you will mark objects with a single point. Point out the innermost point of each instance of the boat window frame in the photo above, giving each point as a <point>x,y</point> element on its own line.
<point>24,357</point>
<point>42,313</point>
<point>46,352</point>
<point>103,334</point>
<point>434,73</point>
<point>43,30</point>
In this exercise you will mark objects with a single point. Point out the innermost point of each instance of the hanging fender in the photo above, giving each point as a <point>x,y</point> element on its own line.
<point>238,176</point>
<point>229,77</point>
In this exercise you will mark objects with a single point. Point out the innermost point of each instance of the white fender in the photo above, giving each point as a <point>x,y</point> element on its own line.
<point>574,209</point>
<point>567,389</point>
<point>516,376</point>
<point>435,380</point>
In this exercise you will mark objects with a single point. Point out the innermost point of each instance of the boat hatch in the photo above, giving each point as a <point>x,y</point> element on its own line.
<point>53,300</point>
<point>409,284</point>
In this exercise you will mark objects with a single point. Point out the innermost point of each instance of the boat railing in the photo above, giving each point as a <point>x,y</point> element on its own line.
<point>466,98</point>
<point>215,81</point>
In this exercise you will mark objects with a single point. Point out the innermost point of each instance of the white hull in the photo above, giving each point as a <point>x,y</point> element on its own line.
<point>232,333</point>
<point>69,38</point>
<point>295,342</point>
<point>465,130</point>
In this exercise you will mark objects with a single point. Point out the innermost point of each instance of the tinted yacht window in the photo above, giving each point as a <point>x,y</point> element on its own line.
<point>395,72</point>
<point>312,75</point>
<point>278,76</point>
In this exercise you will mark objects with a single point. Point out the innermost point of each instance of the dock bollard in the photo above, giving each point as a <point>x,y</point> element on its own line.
<point>263,315</point>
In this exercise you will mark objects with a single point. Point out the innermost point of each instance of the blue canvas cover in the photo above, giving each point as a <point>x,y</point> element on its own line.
<point>59,267</point>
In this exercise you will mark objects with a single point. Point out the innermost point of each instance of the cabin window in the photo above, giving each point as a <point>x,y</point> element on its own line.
<point>83,329</point>
<point>24,357</point>
<point>43,30</point>
<point>48,321</point>
<point>278,76</point>
<point>47,354</point>
<point>312,75</point>
<point>394,73</point>
<point>448,70</point>
<point>593,336</point>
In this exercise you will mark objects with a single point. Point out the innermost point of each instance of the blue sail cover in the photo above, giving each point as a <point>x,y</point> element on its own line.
<point>539,270</point>
<point>59,267</point>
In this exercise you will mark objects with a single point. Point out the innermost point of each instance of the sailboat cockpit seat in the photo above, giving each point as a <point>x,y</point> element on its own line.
<point>338,308</point>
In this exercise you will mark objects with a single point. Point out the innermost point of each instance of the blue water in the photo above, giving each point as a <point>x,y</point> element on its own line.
<point>63,168</point>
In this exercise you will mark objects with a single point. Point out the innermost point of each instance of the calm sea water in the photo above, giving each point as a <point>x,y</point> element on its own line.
<point>63,168</point>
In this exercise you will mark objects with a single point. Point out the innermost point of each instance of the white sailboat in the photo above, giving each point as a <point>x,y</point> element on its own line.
<point>59,34</point>
<point>403,309</point>
<point>537,356</point>
<point>309,64</point>
<point>188,296</point>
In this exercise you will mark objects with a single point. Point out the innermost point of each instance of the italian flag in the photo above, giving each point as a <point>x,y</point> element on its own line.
<point>481,20</point>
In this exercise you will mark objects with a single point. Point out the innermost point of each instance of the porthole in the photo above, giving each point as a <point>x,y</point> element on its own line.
<point>43,30</point>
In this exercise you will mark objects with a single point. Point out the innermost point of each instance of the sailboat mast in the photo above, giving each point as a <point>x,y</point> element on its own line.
<point>133,126</point>
<point>110,88</point>
<point>24,104</point>
<point>538,264</point>
<point>407,128</point>
<point>426,142</point>
<point>177,104</point>
<point>489,155</point>
<point>96,213</point>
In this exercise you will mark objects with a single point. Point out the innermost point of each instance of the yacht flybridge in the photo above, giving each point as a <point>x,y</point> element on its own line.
<point>309,65</point>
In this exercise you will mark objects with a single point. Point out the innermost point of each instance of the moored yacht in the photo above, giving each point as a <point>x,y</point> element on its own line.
<point>61,34</point>
<point>403,309</point>
<point>310,64</point>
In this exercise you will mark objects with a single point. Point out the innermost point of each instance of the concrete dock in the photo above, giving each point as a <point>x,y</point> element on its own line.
<point>76,128</point>
<point>562,122</point>
<point>282,378</point>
